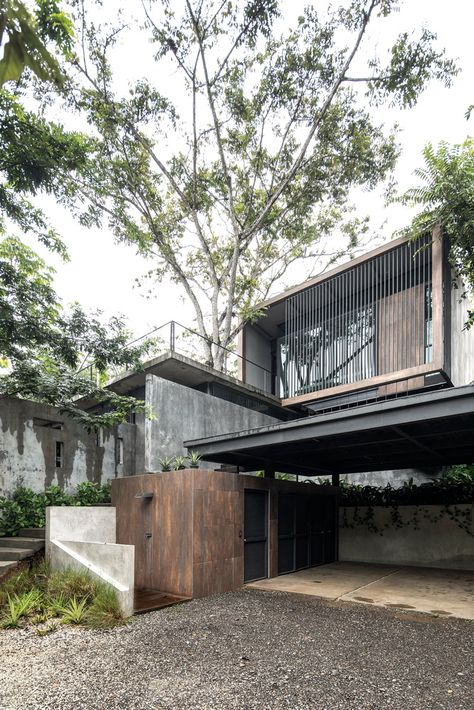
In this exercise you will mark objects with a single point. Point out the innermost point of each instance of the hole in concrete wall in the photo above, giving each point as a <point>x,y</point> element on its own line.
<point>59,456</point>
<point>48,424</point>
<point>119,450</point>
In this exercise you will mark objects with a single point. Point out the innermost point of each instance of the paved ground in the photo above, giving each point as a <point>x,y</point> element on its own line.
<point>433,591</point>
<point>246,650</point>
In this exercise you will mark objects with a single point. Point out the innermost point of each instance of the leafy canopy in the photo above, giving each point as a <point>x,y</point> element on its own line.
<point>50,352</point>
<point>446,195</point>
<point>245,166</point>
<point>25,36</point>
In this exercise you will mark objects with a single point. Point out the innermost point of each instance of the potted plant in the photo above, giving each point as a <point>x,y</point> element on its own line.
<point>179,462</point>
<point>194,458</point>
<point>167,463</point>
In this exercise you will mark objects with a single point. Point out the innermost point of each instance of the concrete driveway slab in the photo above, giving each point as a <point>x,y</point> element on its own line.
<point>327,581</point>
<point>435,591</point>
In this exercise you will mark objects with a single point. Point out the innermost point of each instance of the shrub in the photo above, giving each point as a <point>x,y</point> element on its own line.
<point>89,493</point>
<point>26,509</point>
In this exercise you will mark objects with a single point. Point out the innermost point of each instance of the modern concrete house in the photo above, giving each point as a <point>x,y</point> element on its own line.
<point>365,368</point>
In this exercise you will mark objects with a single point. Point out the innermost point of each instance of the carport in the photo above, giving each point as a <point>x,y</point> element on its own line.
<point>419,430</point>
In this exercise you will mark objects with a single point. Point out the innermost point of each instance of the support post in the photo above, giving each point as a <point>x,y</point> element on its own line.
<point>269,471</point>
<point>335,479</point>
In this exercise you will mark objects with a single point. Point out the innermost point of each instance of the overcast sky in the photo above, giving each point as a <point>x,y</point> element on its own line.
<point>102,274</point>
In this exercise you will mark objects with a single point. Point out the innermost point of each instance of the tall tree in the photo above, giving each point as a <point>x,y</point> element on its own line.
<point>247,166</point>
<point>446,196</point>
<point>44,348</point>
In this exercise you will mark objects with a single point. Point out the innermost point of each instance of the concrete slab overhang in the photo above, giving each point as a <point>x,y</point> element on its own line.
<point>178,368</point>
<point>416,431</point>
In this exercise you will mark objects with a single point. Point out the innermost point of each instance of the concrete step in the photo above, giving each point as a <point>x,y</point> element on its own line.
<point>15,553</point>
<point>32,532</point>
<point>31,543</point>
<point>5,565</point>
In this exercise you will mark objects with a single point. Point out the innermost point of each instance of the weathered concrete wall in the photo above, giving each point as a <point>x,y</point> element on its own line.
<point>395,478</point>
<point>28,435</point>
<point>181,413</point>
<point>435,544</point>
<point>462,341</point>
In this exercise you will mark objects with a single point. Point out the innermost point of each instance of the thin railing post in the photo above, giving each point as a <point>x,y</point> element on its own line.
<point>172,336</point>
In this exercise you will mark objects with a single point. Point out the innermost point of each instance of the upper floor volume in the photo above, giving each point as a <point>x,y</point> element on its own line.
<point>388,322</point>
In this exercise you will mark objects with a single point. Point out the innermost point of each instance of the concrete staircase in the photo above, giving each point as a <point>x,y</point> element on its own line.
<point>15,549</point>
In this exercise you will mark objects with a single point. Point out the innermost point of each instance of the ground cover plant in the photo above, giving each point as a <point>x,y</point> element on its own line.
<point>27,509</point>
<point>36,597</point>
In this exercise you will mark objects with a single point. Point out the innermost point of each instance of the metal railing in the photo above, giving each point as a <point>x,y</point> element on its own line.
<point>176,338</point>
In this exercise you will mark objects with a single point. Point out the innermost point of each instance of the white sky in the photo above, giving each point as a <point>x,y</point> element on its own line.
<point>101,274</point>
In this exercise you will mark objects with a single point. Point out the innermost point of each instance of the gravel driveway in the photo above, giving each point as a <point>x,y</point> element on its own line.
<point>246,649</point>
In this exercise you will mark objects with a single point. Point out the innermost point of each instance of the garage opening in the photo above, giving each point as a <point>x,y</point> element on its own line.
<point>307,529</point>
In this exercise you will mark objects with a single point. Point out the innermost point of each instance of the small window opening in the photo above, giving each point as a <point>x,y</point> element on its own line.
<point>59,454</point>
<point>119,449</point>
<point>48,424</point>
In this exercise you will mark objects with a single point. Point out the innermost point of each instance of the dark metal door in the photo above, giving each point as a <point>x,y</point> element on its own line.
<point>306,531</point>
<point>255,536</point>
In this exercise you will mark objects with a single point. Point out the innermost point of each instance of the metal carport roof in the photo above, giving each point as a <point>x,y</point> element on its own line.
<point>416,431</point>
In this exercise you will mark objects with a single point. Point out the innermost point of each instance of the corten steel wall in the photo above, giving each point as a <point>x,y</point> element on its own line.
<point>196,521</point>
<point>27,448</point>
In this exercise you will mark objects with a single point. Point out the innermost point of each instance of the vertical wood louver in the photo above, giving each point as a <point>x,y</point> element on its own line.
<point>369,320</point>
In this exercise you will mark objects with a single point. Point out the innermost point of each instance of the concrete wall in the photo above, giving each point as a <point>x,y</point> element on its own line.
<point>84,539</point>
<point>462,341</point>
<point>395,478</point>
<point>258,351</point>
<point>28,443</point>
<point>82,523</point>
<point>435,544</point>
<point>181,413</point>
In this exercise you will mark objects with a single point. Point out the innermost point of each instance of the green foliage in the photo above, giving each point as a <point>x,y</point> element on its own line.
<point>19,606</point>
<point>27,38</point>
<point>456,485</point>
<point>104,611</point>
<point>74,611</point>
<point>167,463</point>
<point>35,596</point>
<point>272,136</point>
<point>70,584</point>
<point>89,493</point>
<point>47,349</point>
<point>194,458</point>
<point>26,509</point>
<point>179,463</point>
<point>446,195</point>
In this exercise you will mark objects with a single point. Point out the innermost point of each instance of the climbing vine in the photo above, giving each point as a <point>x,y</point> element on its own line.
<point>408,516</point>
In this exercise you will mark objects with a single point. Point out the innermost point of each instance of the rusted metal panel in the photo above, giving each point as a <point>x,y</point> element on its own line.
<point>196,520</point>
